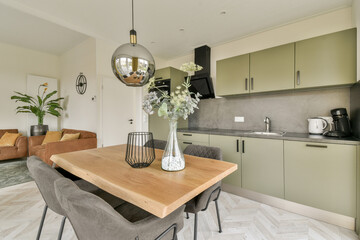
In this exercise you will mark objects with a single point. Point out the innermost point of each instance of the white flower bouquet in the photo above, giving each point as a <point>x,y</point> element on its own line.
<point>174,105</point>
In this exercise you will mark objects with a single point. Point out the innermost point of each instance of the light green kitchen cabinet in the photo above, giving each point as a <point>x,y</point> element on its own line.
<point>232,75</point>
<point>326,60</point>
<point>272,69</point>
<point>231,152</point>
<point>183,144</point>
<point>159,126</point>
<point>321,176</point>
<point>263,166</point>
<point>186,138</point>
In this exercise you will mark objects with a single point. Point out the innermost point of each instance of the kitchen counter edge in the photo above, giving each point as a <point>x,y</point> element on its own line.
<point>288,136</point>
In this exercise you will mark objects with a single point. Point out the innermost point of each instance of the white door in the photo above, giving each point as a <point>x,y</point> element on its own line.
<point>118,111</point>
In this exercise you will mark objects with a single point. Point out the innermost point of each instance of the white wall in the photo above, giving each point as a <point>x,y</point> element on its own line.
<point>80,110</point>
<point>308,28</point>
<point>15,64</point>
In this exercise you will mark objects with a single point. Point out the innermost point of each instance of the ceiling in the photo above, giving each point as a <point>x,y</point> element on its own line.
<point>27,31</point>
<point>157,22</point>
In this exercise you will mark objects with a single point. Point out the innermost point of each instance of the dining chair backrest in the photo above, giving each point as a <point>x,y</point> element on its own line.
<point>202,200</point>
<point>90,216</point>
<point>44,177</point>
<point>203,151</point>
<point>158,144</point>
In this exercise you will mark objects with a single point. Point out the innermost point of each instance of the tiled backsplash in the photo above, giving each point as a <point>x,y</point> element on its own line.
<point>288,111</point>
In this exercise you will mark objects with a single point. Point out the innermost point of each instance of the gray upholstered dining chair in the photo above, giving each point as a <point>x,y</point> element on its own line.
<point>92,218</point>
<point>201,201</point>
<point>159,144</point>
<point>45,177</point>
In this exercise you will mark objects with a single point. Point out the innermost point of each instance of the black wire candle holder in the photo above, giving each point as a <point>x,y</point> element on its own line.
<point>140,151</point>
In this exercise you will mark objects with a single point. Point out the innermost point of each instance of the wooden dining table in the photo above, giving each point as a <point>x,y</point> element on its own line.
<point>152,189</point>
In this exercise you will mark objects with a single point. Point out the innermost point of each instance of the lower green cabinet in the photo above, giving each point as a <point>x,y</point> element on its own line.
<point>231,152</point>
<point>263,166</point>
<point>187,138</point>
<point>321,176</point>
<point>184,144</point>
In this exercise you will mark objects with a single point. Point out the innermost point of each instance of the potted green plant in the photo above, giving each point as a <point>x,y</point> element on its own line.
<point>39,106</point>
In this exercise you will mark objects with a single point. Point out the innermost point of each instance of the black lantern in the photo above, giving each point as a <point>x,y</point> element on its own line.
<point>140,151</point>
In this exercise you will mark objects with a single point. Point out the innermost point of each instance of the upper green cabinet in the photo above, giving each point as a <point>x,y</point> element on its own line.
<point>326,60</point>
<point>231,152</point>
<point>272,69</point>
<point>263,166</point>
<point>232,75</point>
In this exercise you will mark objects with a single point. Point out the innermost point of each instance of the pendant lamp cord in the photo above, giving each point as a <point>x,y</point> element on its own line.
<point>132,7</point>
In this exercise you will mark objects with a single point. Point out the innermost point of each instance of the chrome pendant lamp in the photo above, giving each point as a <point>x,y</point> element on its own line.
<point>132,63</point>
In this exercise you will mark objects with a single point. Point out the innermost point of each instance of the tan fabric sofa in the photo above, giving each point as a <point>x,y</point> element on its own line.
<point>18,151</point>
<point>86,140</point>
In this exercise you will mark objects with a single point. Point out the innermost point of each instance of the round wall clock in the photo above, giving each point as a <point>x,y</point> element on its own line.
<point>81,84</point>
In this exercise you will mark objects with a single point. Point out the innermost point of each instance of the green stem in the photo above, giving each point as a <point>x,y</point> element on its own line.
<point>40,120</point>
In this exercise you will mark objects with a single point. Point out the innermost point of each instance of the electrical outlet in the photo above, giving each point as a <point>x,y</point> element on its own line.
<point>239,119</point>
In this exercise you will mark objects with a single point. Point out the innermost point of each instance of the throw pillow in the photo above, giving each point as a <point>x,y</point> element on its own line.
<point>52,136</point>
<point>70,136</point>
<point>9,139</point>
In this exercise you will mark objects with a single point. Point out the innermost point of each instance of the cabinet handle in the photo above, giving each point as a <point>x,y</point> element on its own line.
<point>298,77</point>
<point>158,78</point>
<point>246,83</point>
<point>243,146</point>
<point>186,134</point>
<point>316,146</point>
<point>252,83</point>
<point>187,143</point>
<point>237,145</point>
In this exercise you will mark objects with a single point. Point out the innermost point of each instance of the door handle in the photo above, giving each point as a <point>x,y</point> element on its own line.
<point>316,146</point>
<point>237,145</point>
<point>187,143</point>
<point>186,134</point>
<point>246,84</point>
<point>298,77</point>
<point>252,83</point>
<point>243,146</point>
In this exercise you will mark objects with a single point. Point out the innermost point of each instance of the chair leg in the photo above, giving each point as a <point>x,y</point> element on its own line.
<point>61,228</point>
<point>218,216</point>
<point>187,215</point>
<point>195,226</point>
<point>42,222</point>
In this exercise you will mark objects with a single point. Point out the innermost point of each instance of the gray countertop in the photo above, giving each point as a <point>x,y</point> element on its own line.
<point>288,136</point>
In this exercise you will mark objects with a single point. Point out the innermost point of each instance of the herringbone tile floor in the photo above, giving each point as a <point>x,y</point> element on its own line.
<point>242,219</point>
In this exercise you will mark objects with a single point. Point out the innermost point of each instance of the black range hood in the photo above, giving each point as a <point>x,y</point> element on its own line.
<point>201,82</point>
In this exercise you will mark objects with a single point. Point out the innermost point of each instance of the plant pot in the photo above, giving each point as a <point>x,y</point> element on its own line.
<point>37,130</point>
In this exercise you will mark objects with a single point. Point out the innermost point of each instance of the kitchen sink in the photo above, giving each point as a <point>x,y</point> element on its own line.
<point>280,134</point>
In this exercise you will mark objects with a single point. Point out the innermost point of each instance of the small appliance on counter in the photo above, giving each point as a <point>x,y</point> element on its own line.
<point>317,125</point>
<point>341,124</point>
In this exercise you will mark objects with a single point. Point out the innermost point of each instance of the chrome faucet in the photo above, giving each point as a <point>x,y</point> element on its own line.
<point>267,124</point>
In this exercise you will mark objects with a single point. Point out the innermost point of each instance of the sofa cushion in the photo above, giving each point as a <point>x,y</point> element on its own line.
<point>3,131</point>
<point>83,134</point>
<point>52,136</point>
<point>9,139</point>
<point>70,136</point>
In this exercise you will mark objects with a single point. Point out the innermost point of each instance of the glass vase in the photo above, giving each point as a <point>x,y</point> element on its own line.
<point>173,158</point>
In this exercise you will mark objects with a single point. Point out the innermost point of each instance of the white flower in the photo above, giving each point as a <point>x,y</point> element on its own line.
<point>190,67</point>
